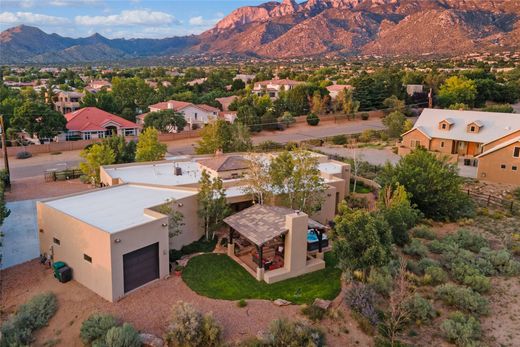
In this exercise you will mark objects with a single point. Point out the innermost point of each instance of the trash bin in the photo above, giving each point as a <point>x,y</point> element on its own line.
<point>62,272</point>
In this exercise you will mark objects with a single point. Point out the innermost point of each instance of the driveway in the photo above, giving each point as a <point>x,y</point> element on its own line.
<point>20,242</point>
<point>370,155</point>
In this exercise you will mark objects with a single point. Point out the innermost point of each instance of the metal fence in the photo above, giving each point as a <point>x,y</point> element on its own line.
<point>488,200</point>
<point>62,175</point>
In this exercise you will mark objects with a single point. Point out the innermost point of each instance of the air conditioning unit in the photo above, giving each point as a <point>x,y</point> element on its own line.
<point>178,171</point>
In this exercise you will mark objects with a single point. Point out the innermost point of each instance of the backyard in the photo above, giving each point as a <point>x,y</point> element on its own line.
<point>218,276</point>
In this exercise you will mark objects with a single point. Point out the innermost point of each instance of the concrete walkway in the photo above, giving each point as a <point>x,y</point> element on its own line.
<point>20,242</point>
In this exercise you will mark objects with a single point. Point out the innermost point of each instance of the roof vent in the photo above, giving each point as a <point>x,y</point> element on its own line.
<point>178,171</point>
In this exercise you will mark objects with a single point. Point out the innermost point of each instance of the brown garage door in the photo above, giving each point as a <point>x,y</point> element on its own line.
<point>141,266</point>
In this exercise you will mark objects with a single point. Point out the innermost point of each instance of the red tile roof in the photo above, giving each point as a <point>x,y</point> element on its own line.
<point>338,87</point>
<point>92,118</point>
<point>179,105</point>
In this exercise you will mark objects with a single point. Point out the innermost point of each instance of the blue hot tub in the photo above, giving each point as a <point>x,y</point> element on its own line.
<point>313,242</point>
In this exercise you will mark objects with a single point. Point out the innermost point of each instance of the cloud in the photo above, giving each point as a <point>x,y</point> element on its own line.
<point>64,3</point>
<point>201,21</point>
<point>129,17</point>
<point>30,18</point>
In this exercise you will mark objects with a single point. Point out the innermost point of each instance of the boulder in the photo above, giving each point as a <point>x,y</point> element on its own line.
<point>149,340</point>
<point>282,302</point>
<point>324,304</point>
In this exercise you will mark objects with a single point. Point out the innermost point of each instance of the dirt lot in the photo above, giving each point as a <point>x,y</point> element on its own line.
<point>37,188</point>
<point>148,309</point>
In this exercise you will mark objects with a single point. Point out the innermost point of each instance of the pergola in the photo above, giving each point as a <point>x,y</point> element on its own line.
<point>260,224</point>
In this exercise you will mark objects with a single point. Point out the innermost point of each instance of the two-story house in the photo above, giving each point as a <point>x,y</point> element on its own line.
<point>486,145</point>
<point>274,87</point>
<point>196,115</point>
<point>67,102</point>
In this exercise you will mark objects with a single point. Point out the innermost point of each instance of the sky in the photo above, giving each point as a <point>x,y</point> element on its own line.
<point>116,18</point>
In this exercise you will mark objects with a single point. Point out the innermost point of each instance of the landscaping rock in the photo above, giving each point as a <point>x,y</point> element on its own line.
<point>282,302</point>
<point>149,340</point>
<point>324,304</point>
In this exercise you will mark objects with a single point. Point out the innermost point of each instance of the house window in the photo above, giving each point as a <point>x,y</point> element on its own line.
<point>514,168</point>
<point>442,144</point>
<point>195,115</point>
<point>87,258</point>
<point>516,152</point>
<point>129,132</point>
<point>56,241</point>
<point>415,143</point>
<point>86,136</point>
<point>503,166</point>
<point>443,126</point>
<point>472,129</point>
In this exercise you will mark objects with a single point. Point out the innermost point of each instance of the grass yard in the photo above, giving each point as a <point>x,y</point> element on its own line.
<point>360,188</point>
<point>219,277</point>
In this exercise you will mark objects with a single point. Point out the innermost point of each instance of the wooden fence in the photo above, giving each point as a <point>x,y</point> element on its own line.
<point>488,200</point>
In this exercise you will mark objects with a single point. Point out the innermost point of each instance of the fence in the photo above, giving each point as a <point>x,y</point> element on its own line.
<point>62,175</point>
<point>488,200</point>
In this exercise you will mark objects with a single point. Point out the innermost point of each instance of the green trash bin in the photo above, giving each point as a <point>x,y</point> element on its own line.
<point>56,267</point>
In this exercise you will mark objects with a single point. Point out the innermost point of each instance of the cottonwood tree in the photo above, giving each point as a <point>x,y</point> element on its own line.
<point>345,102</point>
<point>458,90</point>
<point>148,147</point>
<point>213,207</point>
<point>96,156</point>
<point>165,121</point>
<point>395,123</point>
<point>38,120</point>
<point>225,137</point>
<point>124,151</point>
<point>295,175</point>
<point>258,178</point>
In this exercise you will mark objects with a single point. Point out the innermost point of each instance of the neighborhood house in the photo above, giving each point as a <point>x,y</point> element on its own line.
<point>485,145</point>
<point>67,102</point>
<point>274,87</point>
<point>116,239</point>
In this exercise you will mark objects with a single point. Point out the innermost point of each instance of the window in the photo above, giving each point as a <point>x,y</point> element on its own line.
<point>442,144</point>
<point>472,129</point>
<point>443,126</point>
<point>56,241</point>
<point>415,143</point>
<point>86,136</point>
<point>195,115</point>
<point>514,168</point>
<point>129,132</point>
<point>516,152</point>
<point>503,166</point>
<point>87,258</point>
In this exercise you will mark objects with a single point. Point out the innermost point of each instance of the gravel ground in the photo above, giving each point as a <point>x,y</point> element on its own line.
<point>36,188</point>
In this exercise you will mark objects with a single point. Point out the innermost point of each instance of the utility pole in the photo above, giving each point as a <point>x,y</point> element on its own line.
<point>4,147</point>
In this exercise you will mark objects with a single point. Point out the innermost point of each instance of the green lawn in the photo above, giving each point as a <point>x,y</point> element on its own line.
<point>360,188</point>
<point>218,276</point>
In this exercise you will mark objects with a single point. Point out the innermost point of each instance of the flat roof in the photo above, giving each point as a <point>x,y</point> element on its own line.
<point>157,173</point>
<point>116,208</point>
<point>330,168</point>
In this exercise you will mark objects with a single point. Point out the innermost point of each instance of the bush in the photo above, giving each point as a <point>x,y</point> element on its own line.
<point>364,116</point>
<point>423,232</point>
<point>413,267</point>
<point>435,275</point>
<point>313,119</point>
<point>189,327</point>
<point>425,263</point>
<point>339,140</point>
<point>381,281</point>
<point>416,248</point>
<point>366,135</point>
<point>241,303</point>
<point>501,260</point>
<point>462,330</point>
<point>421,310</point>
<point>95,328</point>
<point>468,240</point>
<point>361,298</point>
<point>462,298</point>
<point>313,312</point>
<point>478,283</point>
<point>23,155</point>
<point>123,336</point>
<point>286,333</point>
<point>202,245</point>
<point>33,315</point>
<point>357,202</point>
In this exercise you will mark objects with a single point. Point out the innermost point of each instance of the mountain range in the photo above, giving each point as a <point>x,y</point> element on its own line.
<point>289,29</point>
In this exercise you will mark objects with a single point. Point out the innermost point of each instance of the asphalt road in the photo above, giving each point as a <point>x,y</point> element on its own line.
<point>36,165</point>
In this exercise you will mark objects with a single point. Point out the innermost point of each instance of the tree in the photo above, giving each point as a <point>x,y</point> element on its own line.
<point>96,156</point>
<point>394,104</point>
<point>175,218</point>
<point>223,136</point>
<point>241,138</point>
<point>165,121</point>
<point>505,108</point>
<point>297,176</point>
<point>237,84</point>
<point>313,119</point>
<point>346,103</point>
<point>362,240</point>
<point>287,119</point>
<point>213,207</point>
<point>246,115</point>
<point>124,152</point>
<point>395,124</point>
<point>258,178</point>
<point>458,90</point>
<point>131,95</point>
<point>148,146</point>
<point>318,103</point>
<point>394,205</point>
<point>38,120</point>
<point>433,184</point>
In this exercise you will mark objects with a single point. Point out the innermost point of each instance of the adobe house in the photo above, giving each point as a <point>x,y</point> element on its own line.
<point>482,144</point>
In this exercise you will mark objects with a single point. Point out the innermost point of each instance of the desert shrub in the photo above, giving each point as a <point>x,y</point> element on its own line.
<point>357,202</point>
<point>33,315</point>
<point>439,246</point>
<point>23,155</point>
<point>501,260</point>
<point>421,310</point>
<point>461,269</point>
<point>463,298</point>
<point>313,119</point>
<point>283,332</point>
<point>436,275</point>
<point>365,116</point>
<point>361,299</point>
<point>423,232</point>
<point>313,312</point>
<point>380,279</point>
<point>468,240</point>
<point>241,303</point>
<point>339,139</point>
<point>426,263</point>
<point>416,248</point>
<point>478,283</point>
<point>462,330</point>
<point>123,336</point>
<point>366,135</point>
<point>413,267</point>
<point>188,327</point>
<point>95,328</point>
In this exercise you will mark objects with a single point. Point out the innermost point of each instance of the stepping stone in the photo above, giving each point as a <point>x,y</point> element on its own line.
<point>282,302</point>
<point>324,304</point>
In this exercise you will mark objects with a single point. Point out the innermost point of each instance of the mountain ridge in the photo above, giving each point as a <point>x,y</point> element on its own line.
<point>289,29</point>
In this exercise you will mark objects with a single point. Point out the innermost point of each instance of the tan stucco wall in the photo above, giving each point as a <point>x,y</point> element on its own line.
<point>496,142</point>
<point>77,238</point>
<point>414,135</point>
<point>435,145</point>
<point>489,166</point>
<point>133,239</point>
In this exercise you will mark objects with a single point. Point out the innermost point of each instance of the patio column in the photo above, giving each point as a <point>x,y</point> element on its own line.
<point>260,268</point>
<point>231,245</point>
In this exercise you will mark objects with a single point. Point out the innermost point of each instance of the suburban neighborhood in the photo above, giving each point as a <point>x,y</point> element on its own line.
<point>289,173</point>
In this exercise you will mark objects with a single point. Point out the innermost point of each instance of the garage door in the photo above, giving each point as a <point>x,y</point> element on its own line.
<point>141,266</point>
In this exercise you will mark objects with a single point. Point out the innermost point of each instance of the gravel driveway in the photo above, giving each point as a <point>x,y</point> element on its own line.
<point>370,155</point>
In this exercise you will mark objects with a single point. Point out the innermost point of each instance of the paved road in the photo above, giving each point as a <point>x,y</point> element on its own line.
<point>516,107</point>
<point>20,234</point>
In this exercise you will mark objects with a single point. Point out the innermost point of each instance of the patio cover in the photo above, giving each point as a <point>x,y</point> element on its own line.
<point>261,223</point>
